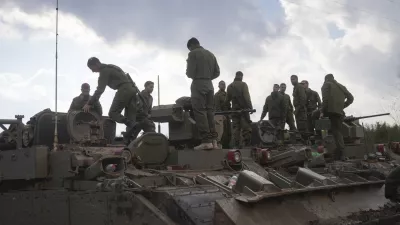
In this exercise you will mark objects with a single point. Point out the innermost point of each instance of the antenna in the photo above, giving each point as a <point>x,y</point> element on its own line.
<point>158,87</point>
<point>56,118</point>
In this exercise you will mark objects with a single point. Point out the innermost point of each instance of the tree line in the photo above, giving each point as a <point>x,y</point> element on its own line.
<point>382,132</point>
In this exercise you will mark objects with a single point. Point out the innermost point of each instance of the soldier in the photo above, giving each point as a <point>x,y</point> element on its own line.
<point>125,98</point>
<point>275,106</point>
<point>335,98</point>
<point>202,68</point>
<point>299,103</point>
<point>238,93</point>
<point>81,100</point>
<point>289,108</point>
<point>224,137</point>
<point>313,103</point>
<point>143,116</point>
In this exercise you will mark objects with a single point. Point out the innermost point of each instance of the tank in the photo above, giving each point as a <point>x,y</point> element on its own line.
<point>89,178</point>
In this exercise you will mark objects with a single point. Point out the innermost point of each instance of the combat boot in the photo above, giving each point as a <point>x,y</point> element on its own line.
<point>204,146</point>
<point>216,145</point>
<point>130,129</point>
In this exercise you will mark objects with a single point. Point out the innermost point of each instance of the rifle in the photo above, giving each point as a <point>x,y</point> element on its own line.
<point>235,112</point>
<point>137,91</point>
<point>352,118</point>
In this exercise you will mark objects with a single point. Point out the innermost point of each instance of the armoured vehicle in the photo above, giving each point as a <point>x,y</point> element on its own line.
<point>88,178</point>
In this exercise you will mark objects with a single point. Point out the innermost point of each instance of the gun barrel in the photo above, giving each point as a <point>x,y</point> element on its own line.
<point>365,117</point>
<point>235,111</point>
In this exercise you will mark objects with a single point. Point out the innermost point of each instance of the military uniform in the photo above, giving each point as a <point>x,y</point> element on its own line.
<point>275,106</point>
<point>238,93</point>
<point>78,103</point>
<point>335,98</point>
<point>226,131</point>
<point>299,103</point>
<point>289,112</point>
<point>125,97</point>
<point>313,102</point>
<point>202,68</point>
<point>143,114</point>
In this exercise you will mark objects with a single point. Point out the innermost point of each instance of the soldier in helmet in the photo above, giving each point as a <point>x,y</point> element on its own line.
<point>289,107</point>
<point>202,68</point>
<point>335,98</point>
<point>299,103</point>
<point>143,116</point>
<point>313,103</point>
<point>79,101</point>
<point>125,97</point>
<point>238,93</point>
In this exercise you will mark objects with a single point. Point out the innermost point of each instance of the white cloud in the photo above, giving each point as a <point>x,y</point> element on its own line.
<point>363,58</point>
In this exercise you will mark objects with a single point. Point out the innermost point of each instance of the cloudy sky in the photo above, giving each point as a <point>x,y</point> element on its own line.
<point>358,41</point>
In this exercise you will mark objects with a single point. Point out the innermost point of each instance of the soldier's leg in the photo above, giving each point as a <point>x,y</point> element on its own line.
<point>290,121</point>
<point>246,131</point>
<point>123,100</point>
<point>301,120</point>
<point>200,115</point>
<point>148,126</point>
<point>219,127</point>
<point>227,134</point>
<point>336,127</point>
<point>310,126</point>
<point>236,130</point>
<point>210,115</point>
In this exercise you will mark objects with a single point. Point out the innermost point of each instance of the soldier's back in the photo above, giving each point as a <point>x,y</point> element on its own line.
<point>114,75</point>
<point>205,63</point>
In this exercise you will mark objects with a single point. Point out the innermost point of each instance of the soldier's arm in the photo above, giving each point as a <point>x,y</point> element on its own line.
<point>101,86</point>
<point>318,100</point>
<point>302,96</point>
<point>284,108</point>
<point>98,108</point>
<point>290,106</point>
<point>191,65</point>
<point>246,95</point>
<point>217,103</point>
<point>150,105</point>
<point>265,109</point>
<point>228,99</point>
<point>216,70</point>
<point>72,106</point>
<point>349,98</point>
<point>325,90</point>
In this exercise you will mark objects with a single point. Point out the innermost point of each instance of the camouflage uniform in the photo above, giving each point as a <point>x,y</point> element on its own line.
<point>333,102</point>
<point>225,137</point>
<point>125,98</point>
<point>202,68</point>
<point>299,103</point>
<point>275,106</point>
<point>79,101</point>
<point>289,112</point>
<point>313,102</point>
<point>143,114</point>
<point>238,93</point>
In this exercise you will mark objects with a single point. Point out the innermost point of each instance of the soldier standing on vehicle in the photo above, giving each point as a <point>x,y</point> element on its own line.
<point>289,113</point>
<point>219,99</point>
<point>299,103</point>
<point>79,101</point>
<point>125,97</point>
<point>335,98</point>
<point>275,106</point>
<point>313,103</point>
<point>143,116</point>
<point>238,93</point>
<point>202,68</point>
